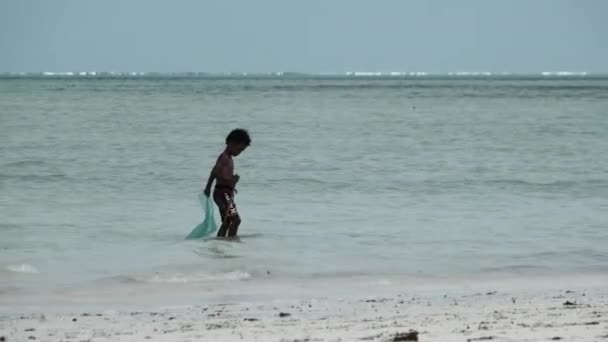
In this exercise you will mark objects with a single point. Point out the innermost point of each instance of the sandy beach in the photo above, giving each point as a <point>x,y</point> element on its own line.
<point>567,315</point>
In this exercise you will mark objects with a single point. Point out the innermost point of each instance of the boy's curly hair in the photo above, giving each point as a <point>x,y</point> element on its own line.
<point>239,136</point>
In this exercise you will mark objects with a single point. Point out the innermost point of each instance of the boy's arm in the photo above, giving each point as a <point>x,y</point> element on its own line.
<point>207,190</point>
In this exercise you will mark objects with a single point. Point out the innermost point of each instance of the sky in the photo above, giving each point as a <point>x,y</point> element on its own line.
<point>314,36</point>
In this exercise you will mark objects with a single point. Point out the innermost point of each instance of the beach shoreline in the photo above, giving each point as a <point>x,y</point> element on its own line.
<point>577,313</point>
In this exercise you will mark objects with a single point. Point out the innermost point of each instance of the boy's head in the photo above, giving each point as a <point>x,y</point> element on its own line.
<point>237,141</point>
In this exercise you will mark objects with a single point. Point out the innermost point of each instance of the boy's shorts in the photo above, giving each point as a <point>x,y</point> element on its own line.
<point>223,196</point>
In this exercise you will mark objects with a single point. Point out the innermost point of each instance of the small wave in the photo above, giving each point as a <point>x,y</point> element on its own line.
<point>297,180</point>
<point>550,184</point>
<point>9,290</point>
<point>516,182</point>
<point>9,226</point>
<point>31,170</point>
<point>25,163</point>
<point>391,73</point>
<point>51,73</point>
<point>525,182</point>
<point>23,268</point>
<point>86,73</point>
<point>522,268</point>
<point>470,73</point>
<point>34,178</point>
<point>187,278</point>
<point>564,73</point>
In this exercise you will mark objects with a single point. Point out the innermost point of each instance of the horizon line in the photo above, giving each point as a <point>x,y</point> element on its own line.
<point>295,73</point>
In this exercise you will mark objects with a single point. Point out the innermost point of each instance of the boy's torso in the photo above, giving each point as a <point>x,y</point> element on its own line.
<point>225,160</point>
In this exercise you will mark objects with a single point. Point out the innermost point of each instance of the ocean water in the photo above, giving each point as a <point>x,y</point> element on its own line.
<point>350,181</point>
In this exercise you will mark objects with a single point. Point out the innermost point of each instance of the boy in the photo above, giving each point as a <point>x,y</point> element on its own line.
<point>223,172</point>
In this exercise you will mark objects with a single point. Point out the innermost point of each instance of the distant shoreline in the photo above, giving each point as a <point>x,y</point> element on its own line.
<point>297,75</point>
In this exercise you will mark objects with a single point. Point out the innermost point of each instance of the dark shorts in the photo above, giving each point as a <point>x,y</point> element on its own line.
<point>223,196</point>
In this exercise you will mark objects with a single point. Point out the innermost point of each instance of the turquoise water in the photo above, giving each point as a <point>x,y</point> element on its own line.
<point>347,178</point>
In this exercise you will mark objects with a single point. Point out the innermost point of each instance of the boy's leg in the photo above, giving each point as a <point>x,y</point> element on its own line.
<point>225,224</point>
<point>218,198</point>
<point>232,218</point>
<point>234,226</point>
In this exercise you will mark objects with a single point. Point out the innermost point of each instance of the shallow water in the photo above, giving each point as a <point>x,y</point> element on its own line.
<point>380,178</point>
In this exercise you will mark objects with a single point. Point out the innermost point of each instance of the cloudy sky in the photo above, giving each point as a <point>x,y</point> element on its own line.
<point>304,36</point>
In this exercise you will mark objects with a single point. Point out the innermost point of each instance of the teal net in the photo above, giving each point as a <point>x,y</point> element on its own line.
<point>208,226</point>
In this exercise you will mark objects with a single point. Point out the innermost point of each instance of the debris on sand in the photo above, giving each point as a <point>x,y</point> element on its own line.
<point>411,335</point>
